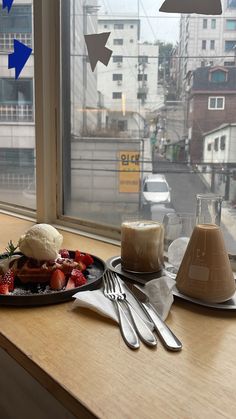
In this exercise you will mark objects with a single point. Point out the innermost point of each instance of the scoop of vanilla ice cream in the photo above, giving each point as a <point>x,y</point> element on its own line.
<point>41,242</point>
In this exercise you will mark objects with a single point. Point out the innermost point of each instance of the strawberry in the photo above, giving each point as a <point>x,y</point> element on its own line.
<point>8,279</point>
<point>81,266</point>
<point>87,259</point>
<point>78,278</point>
<point>4,289</point>
<point>78,256</point>
<point>57,280</point>
<point>70,284</point>
<point>64,253</point>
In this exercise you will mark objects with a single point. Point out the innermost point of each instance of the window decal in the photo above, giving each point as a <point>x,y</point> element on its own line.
<point>97,51</point>
<point>209,7</point>
<point>8,4</point>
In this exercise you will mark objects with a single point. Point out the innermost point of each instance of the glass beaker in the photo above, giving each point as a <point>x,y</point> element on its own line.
<point>208,209</point>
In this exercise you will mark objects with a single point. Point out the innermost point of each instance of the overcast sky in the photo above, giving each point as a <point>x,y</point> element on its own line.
<point>154,25</point>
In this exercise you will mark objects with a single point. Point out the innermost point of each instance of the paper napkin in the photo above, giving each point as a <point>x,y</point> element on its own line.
<point>158,290</point>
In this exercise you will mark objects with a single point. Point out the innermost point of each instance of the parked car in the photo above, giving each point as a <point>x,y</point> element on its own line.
<point>156,190</point>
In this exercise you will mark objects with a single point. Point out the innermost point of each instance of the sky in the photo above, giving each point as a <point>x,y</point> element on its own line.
<point>154,24</point>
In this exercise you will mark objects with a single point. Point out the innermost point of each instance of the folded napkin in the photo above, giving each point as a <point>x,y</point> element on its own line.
<point>158,290</point>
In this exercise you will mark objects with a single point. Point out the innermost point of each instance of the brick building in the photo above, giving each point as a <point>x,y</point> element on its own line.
<point>211,102</point>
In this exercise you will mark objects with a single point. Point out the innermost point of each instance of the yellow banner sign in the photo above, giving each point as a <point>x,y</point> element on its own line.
<point>129,171</point>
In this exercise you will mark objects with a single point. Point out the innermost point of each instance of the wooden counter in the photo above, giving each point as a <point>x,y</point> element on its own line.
<point>81,359</point>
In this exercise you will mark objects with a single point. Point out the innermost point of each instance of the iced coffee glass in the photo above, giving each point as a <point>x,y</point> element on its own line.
<point>142,246</point>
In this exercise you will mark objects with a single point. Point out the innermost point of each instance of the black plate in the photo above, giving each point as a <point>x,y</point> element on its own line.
<point>33,296</point>
<point>114,264</point>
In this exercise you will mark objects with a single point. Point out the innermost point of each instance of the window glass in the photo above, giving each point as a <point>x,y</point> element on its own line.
<point>17,129</point>
<point>133,116</point>
<point>204,23</point>
<point>229,45</point>
<point>231,4</point>
<point>231,24</point>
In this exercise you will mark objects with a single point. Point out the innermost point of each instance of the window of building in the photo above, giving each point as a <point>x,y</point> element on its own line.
<point>209,147</point>
<point>117,58</point>
<point>116,95</point>
<point>204,23</point>
<point>105,26</point>
<point>122,125</point>
<point>131,26</point>
<point>218,76</point>
<point>215,102</point>
<point>216,144</point>
<point>222,142</point>
<point>131,41</point>
<point>212,44</point>
<point>230,45</point>
<point>117,77</point>
<point>229,63</point>
<point>204,44</point>
<point>230,24</point>
<point>231,4</point>
<point>142,77</point>
<point>16,100</point>
<point>18,21</point>
<point>213,23</point>
<point>142,96</point>
<point>143,59</point>
<point>118,41</point>
<point>118,26</point>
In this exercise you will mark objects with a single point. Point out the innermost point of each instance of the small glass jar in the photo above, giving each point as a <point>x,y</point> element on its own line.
<point>208,209</point>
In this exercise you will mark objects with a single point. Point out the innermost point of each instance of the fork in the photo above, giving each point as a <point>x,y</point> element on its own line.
<point>141,327</point>
<point>127,330</point>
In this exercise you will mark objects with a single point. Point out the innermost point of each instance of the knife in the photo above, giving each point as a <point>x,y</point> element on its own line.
<point>167,337</point>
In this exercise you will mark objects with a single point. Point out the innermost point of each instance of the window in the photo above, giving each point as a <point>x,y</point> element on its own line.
<point>131,41</point>
<point>222,142</point>
<point>212,44</point>
<point>18,21</point>
<point>216,103</point>
<point>117,77</point>
<point>142,96</point>
<point>203,44</point>
<point>230,45</point>
<point>216,144</point>
<point>218,76</point>
<point>116,95</point>
<point>231,24</point>
<point>231,4</point>
<point>204,23</point>
<point>118,41</point>
<point>122,125</point>
<point>131,26</point>
<point>209,147</point>
<point>16,92</point>
<point>143,59</point>
<point>105,26</point>
<point>118,26</point>
<point>117,59</point>
<point>229,63</point>
<point>142,77</point>
<point>213,23</point>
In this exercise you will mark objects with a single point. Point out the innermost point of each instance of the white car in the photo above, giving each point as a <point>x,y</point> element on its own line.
<point>156,190</point>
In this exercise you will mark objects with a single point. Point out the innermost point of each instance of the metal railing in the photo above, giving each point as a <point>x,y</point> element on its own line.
<point>16,113</point>
<point>7,40</point>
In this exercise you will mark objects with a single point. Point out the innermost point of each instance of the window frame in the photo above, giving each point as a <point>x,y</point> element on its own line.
<point>215,108</point>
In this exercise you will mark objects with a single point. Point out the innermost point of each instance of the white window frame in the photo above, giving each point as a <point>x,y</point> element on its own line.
<point>215,108</point>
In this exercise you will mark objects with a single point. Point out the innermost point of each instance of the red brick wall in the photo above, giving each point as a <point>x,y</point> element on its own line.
<point>201,119</point>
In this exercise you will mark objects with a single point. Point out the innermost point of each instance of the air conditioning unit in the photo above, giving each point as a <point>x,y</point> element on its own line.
<point>119,82</point>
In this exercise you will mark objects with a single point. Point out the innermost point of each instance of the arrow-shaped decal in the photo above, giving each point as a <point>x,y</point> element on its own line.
<point>19,57</point>
<point>203,7</point>
<point>8,4</point>
<point>97,51</point>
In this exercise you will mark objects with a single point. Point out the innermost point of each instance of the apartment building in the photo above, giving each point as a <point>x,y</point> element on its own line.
<point>130,84</point>
<point>207,40</point>
<point>17,116</point>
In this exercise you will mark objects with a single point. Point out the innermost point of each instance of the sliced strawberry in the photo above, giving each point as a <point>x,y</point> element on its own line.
<point>78,278</point>
<point>8,279</point>
<point>70,284</point>
<point>87,259</point>
<point>4,289</point>
<point>57,280</point>
<point>81,266</point>
<point>78,256</point>
<point>64,253</point>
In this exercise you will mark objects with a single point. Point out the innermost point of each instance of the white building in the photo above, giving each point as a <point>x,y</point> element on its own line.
<point>207,40</point>
<point>220,145</point>
<point>130,82</point>
<point>17,132</point>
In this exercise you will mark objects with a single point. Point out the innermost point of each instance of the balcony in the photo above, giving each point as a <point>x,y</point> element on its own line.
<point>7,40</point>
<point>16,113</point>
